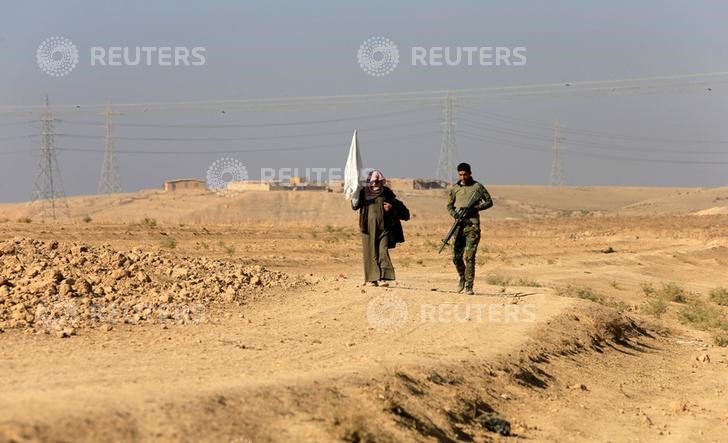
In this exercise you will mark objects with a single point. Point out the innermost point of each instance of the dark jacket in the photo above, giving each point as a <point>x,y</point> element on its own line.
<point>392,219</point>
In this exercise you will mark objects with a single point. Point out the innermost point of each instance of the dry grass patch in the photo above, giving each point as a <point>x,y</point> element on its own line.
<point>703,316</point>
<point>671,292</point>
<point>721,339</point>
<point>719,296</point>
<point>655,307</point>
<point>500,280</point>
<point>168,243</point>
<point>583,292</point>
<point>587,293</point>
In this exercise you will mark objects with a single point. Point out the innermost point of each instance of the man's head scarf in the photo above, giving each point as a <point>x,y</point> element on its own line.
<point>374,176</point>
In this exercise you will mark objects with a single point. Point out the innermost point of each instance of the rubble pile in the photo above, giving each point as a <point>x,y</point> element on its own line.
<point>60,287</point>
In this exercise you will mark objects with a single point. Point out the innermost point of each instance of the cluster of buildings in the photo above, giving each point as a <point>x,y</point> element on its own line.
<point>298,184</point>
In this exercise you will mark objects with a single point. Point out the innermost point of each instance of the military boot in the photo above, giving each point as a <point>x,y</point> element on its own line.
<point>469,288</point>
<point>461,284</point>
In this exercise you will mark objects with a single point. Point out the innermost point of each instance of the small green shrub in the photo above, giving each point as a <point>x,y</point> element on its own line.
<point>526,282</point>
<point>668,292</point>
<point>585,293</point>
<point>703,316</point>
<point>497,280</point>
<point>648,289</point>
<point>655,307</point>
<point>229,249</point>
<point>720,339</point>
<point>719,296</point>
<point>673,292</point>
<point>168,243</point>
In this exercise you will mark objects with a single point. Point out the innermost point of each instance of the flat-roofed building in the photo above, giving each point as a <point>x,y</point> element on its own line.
<point>250,185</point>
<point>184,184</point>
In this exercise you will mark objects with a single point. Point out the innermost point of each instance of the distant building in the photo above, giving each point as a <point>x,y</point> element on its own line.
<point>407,184</point>
<point>184,184</point>
<point>335,186</point>
<point>401,184</point>
<point>429,183</point>
<point>251,185</point>
<point>308,187</point>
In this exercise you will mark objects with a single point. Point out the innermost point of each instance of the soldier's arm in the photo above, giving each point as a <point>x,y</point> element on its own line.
<point>485,200</point>
<point>451,203</point>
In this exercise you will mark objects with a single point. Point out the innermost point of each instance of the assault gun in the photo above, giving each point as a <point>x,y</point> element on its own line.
<point>461,215</point>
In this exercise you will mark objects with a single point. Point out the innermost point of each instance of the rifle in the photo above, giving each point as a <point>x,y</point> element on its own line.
<point>461,215</point>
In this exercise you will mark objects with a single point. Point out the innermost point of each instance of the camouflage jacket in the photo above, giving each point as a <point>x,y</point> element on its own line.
<point>459,196</point>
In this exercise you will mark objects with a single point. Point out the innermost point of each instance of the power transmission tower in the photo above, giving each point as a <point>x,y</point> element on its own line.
<point>448,152</point>
<point>557,173</point>
<point>109,183</point>
<point>48,188</point>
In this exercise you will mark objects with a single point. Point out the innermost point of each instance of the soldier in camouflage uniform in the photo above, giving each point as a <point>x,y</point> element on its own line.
<point>467,236</point>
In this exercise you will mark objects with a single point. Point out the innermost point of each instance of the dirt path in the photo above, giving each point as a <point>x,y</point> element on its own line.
<point>136,383</point>
<point>309,336</point>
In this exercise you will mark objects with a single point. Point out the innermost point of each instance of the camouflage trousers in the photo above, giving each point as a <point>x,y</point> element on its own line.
<point>463,252</point>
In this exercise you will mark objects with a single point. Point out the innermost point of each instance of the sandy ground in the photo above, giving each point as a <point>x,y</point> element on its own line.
<point>335,361</point>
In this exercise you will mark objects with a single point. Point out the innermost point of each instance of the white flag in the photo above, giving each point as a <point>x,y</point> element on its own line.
<point>352,171</point>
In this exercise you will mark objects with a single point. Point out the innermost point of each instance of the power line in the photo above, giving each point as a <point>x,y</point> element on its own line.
<point>638,138</point>
<point>569,151</point>
<point>251,125</point>
<point>252,138</point>
<point>6,124</point>
<point>641,85</point>
<point>587,143</point>
<point>18,137</point>
<point>234,151</point>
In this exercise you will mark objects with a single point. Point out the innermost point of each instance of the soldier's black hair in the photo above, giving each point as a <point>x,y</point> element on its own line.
<point>464,167</point>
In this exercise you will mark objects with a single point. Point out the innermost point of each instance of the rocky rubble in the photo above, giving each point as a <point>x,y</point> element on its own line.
<point>60,287</point>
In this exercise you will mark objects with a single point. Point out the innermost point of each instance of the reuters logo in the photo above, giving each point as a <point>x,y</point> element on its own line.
<point>57,56</point>
<point>222,172</point>
<point>378,56</point>
<point>387,313</point>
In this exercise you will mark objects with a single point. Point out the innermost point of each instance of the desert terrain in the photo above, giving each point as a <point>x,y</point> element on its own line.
<point>600,314</point>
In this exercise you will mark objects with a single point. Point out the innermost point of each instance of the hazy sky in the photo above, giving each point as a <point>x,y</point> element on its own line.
<point>309,48</point>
